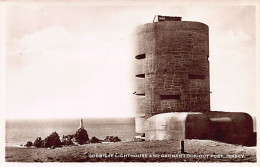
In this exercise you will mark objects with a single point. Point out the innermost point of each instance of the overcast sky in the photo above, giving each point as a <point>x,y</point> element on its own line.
<point>75,60</point>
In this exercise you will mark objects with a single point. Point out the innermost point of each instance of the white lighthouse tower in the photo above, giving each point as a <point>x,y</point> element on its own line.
<point>81,124</point>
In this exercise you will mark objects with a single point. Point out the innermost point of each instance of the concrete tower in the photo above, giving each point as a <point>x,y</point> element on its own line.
<point>172,67</point>
<point>173,88</point>
<point>172,70</point>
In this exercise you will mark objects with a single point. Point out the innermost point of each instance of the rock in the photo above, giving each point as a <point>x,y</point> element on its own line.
<point>112,139</point>
<point>138,140</point>
<point>81,136</point>
<point>28,144</point>
<point>67,140</point>
<point>51,140</point>
<point>116,139</point>
<point>70,137</point>
<point>108,138</point>
<point>94,140</point>
<point>38,142</point>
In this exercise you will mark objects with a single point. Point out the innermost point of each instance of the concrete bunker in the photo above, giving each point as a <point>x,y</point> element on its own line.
<point>234,128</point>
<point>231,127</point>
<point>176,126</point>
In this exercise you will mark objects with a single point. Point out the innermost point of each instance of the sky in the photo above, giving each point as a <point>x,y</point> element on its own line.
<point>71,60</point>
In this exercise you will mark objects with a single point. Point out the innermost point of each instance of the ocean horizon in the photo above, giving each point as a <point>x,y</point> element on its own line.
<point>19,131</point>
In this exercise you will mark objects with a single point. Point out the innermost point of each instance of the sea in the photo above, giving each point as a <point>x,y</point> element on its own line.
<point>18,131</point>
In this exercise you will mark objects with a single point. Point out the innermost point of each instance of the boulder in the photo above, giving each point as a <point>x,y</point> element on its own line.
<point>108,138</point>
<point>112,139</point>
<point>52,140</point>
<point>81,136</point>
<point>94,140</point>
<point>138,140</point>
<point>67,140</point>
<point>116,139</point>
<point>38,142</point>
<point>28,144</point>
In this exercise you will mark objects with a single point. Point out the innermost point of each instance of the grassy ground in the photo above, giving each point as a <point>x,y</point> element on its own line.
<point>148,151</point>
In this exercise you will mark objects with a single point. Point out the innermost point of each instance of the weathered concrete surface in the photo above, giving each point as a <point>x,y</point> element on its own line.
<point>229,127</point>
<point>139,125</point>
<point>176,126</point>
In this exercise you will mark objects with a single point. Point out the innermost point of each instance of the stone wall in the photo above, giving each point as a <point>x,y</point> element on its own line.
<point>172,67</point>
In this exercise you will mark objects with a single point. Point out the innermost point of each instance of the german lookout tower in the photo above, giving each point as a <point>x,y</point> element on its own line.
<point>173,85</point>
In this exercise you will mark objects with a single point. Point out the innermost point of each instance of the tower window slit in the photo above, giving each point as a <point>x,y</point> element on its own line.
<point>141,56</point>
<point>140,94</point>
<point>166,97</point>
<point>140,75</point>
<point>194,76</point>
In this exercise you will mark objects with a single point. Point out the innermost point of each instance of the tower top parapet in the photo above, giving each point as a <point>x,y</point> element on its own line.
<point>159,18</point>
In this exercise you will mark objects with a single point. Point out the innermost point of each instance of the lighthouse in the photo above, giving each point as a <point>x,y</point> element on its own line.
<point>81,124</point>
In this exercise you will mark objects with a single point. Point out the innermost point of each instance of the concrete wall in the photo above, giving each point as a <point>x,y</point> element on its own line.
<point>229,127</point>
<point>172,67</point>
<point>176,126</point>
<point>196,126</point>
<point>139,125</point>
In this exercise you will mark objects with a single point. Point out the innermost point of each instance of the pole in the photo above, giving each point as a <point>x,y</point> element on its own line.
<point>182,147</point>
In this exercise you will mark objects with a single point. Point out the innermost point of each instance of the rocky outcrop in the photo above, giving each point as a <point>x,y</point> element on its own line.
<point>52,140</point>
<point>81,136</point>
<point>29,144</point>
<point>38,142</point>
<point>67,140</point>
<point>112,139</point>
<point>94,140</point>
